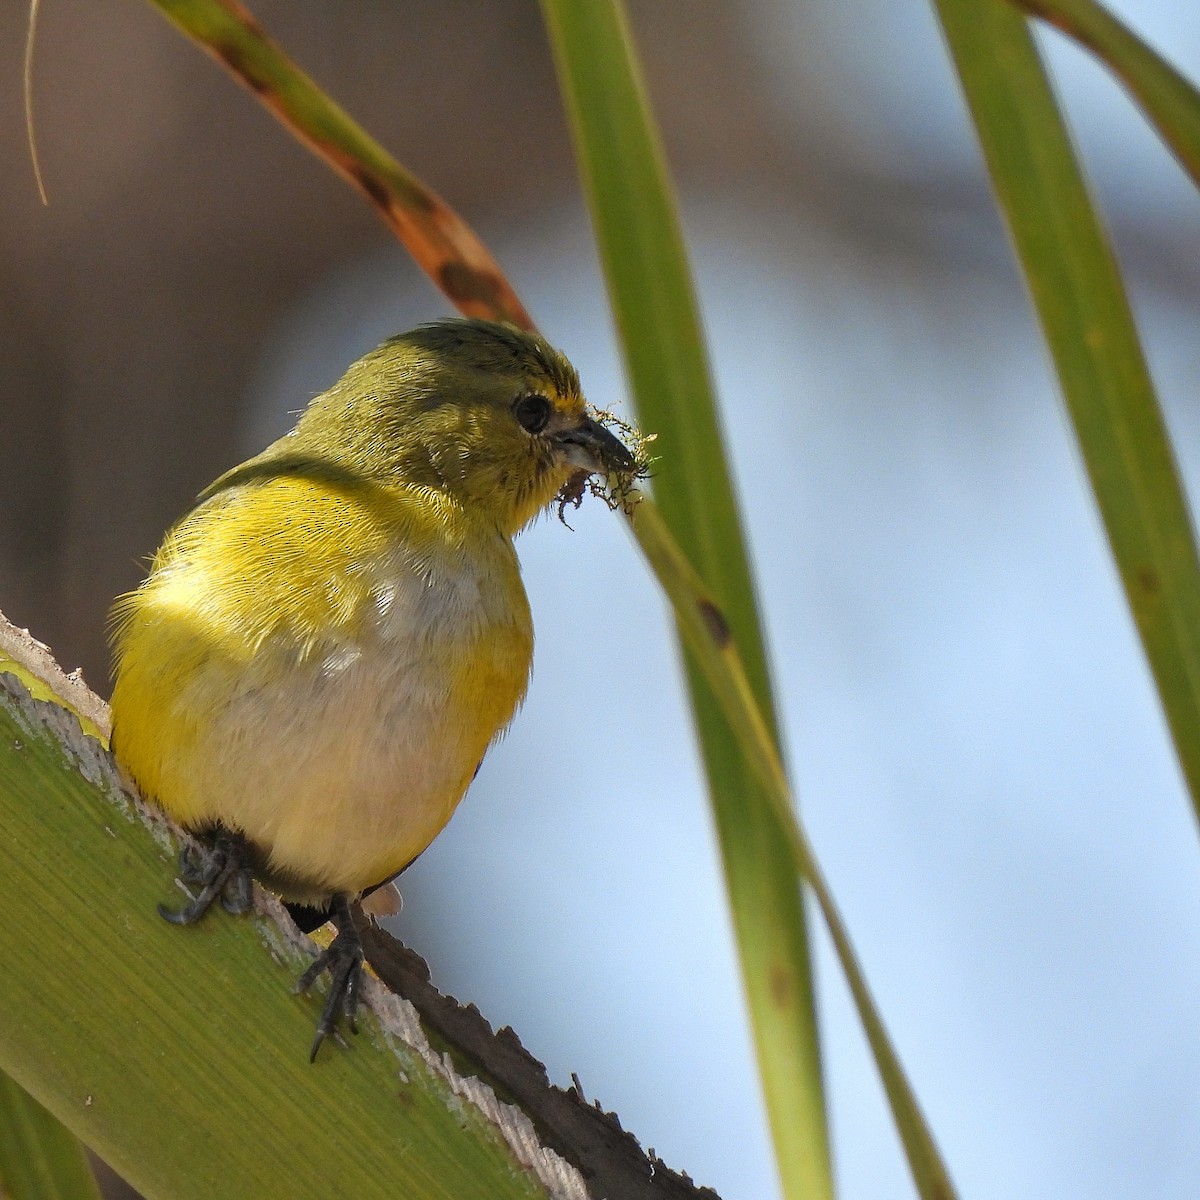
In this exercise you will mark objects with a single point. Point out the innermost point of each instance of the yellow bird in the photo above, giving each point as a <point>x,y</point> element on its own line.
<point>329,642</point>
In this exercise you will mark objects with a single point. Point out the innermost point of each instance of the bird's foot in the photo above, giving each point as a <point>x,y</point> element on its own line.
<point>219,868</point>
<point>343,959</point>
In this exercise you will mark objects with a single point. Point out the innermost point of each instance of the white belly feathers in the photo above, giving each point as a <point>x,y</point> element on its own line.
<point>371,738</point>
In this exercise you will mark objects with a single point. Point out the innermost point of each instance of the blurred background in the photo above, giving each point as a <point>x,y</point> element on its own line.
<point>973,732</point>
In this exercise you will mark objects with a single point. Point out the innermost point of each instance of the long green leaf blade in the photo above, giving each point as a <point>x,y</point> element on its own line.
<point>1081,303</point>
<point>650,288</point>
<point>645,263</point>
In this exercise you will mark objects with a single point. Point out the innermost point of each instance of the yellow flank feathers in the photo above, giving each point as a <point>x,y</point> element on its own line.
<point>328,643</point>
<point>301,672</point>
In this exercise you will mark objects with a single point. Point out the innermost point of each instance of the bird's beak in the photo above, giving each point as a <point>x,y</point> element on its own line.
<point>590,447</point>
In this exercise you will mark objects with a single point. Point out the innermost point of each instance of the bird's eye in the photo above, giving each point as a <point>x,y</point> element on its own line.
<point>532,411</point>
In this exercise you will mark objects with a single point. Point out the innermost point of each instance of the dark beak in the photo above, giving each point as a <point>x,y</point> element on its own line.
<point>591,447</point>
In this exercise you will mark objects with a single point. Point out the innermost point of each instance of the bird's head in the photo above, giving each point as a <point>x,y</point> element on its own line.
<point>488,413</point>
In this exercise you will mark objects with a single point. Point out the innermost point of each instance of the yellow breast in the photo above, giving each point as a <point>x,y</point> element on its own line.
<point>321,664</point>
